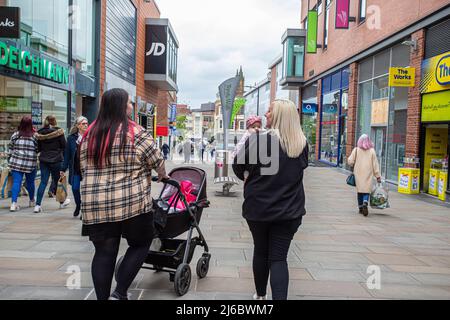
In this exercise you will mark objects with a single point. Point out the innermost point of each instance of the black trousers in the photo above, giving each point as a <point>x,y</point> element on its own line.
<point>272,241</point>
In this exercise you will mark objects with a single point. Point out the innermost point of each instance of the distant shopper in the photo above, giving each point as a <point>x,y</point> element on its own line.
<point>166,150</point>
<point>72,161</point>
<point>22,160</point>
<point>365,163</point>
<point>187,145</point>
<point>117,157</point>
<point>274,202</point>
<point>51,146</point>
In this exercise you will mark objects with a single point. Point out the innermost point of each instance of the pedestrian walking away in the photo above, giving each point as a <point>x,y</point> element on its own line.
<point>117,157</point>
<point>72,161</point>
<point>22,159</point>
<point>274,204</point>
<point>166,150</point>
<point>51,146</point>
<point>365,165</point>
<point>187,151</point>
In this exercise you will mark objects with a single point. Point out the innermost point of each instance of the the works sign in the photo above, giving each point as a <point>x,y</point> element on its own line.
<point>10,22</point>
<point>32,64</point>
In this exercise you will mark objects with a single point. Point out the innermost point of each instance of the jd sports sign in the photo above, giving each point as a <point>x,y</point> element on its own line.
<point>31,64</point>
<point>155,49</point>
<point>10,22</point>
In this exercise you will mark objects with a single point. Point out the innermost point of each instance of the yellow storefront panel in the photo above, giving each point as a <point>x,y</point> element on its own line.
<point>436,107</point>
<point>436,74</point>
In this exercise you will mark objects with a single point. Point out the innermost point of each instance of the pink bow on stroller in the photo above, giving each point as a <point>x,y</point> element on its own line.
<point>186,190</point>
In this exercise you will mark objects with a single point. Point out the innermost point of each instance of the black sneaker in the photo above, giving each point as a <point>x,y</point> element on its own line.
<point>50,194</point>
<point>365,209</point>
<point>76,213</point>
<point>116,296</point>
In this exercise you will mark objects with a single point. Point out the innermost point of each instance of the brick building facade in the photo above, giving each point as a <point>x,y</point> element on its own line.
<point>144,92</point>
<point>348,79</point>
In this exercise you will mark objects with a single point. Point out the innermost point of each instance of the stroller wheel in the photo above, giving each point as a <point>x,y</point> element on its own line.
<point>182,279</point>
<point>116,270</point>
<point>203,266</point>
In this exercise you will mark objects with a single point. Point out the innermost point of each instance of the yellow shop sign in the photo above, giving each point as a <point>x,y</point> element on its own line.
<point>436,74</point>
<point>443,71</point>
<point>402,77</point>
<point>436,107</point>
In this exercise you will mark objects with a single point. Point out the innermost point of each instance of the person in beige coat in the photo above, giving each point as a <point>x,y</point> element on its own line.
<point>365,166</point>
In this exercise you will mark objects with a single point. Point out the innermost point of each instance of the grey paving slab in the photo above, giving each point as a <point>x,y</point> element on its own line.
<point>393,291</point>
<point>328,259</point>
<point>42,293</point>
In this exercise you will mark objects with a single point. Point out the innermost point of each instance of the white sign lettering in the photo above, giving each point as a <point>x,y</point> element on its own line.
<point>157,49</point>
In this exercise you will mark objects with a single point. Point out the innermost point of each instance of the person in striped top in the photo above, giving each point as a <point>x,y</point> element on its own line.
<point>22,160</point>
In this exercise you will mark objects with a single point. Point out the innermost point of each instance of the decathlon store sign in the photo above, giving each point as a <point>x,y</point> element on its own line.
<point>32,64</point>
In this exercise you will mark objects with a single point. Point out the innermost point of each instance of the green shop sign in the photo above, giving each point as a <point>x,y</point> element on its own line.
<point>26,62</point>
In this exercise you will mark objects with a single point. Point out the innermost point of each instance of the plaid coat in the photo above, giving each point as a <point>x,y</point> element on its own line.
<point>22,153</point>
<point>120,191</point>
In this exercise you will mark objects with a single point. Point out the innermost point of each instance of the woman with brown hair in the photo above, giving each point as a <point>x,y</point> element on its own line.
<point>117,157</point>
<point>22,160</point>
<point>51,146</point>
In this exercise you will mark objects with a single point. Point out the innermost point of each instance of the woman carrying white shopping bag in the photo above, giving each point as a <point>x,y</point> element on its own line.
<point>365,163</point>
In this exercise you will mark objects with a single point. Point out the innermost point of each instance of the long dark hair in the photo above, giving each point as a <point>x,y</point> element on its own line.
<point>26,127</point>
<point>102,133</point>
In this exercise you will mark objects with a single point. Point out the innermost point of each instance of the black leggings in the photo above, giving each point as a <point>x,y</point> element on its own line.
<point>104,263</point>
<point>272,241</point>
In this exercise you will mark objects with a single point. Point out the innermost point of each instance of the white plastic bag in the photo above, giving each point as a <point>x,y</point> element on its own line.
<point>379,198</point>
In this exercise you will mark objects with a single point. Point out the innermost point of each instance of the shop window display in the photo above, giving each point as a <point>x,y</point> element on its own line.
<point>330,127</point>
<point>19,98</point>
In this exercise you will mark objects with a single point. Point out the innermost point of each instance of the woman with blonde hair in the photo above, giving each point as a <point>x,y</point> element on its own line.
<point>274,200</point>
<point>365,166</point>
<point>72,159</point>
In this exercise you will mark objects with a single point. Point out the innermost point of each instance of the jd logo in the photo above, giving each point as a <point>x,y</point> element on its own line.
<point>157,49</point>
<point>7,23</point>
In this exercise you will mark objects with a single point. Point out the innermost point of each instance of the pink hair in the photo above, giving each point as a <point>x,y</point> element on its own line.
<point>365,143</point>
<point>252,120</point>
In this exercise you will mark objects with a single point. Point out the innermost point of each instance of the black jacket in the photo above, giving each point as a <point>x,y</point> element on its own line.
<point>271,196</point>
<point>72,157</point>
<point>51,144</point>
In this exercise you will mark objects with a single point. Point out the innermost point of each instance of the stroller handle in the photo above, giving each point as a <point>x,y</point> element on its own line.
<point>168,181</point>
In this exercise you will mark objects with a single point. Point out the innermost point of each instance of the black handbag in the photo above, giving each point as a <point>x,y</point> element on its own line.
<point>351,180</point>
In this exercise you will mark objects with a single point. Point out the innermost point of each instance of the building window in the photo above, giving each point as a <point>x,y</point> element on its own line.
<point>382,111</point>
<point>45,25</point>
<point>362,10</point>
<point>83,34</point>
<point>241,125</point>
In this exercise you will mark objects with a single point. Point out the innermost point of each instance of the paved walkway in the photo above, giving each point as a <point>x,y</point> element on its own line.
<point>329,257</point>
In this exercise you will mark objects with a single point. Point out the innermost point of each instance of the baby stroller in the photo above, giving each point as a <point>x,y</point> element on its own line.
<point>174,255</point>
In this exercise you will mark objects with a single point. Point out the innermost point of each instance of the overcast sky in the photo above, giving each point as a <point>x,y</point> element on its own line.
<point>217,37</point>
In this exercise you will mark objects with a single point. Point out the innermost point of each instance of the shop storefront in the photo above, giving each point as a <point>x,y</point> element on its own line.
<point>48,68</point>
<point>309,117</point>
<point>333,117</point>
<point>31,83</point>
<point>382,110</point>
<point>435,89</point>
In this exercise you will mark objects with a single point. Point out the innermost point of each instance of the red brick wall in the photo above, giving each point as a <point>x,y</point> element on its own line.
<point>415,99</point>
<point>102,47</point>
<point>352,108</point>
<point>344,44</point>
<point>144,90</point>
